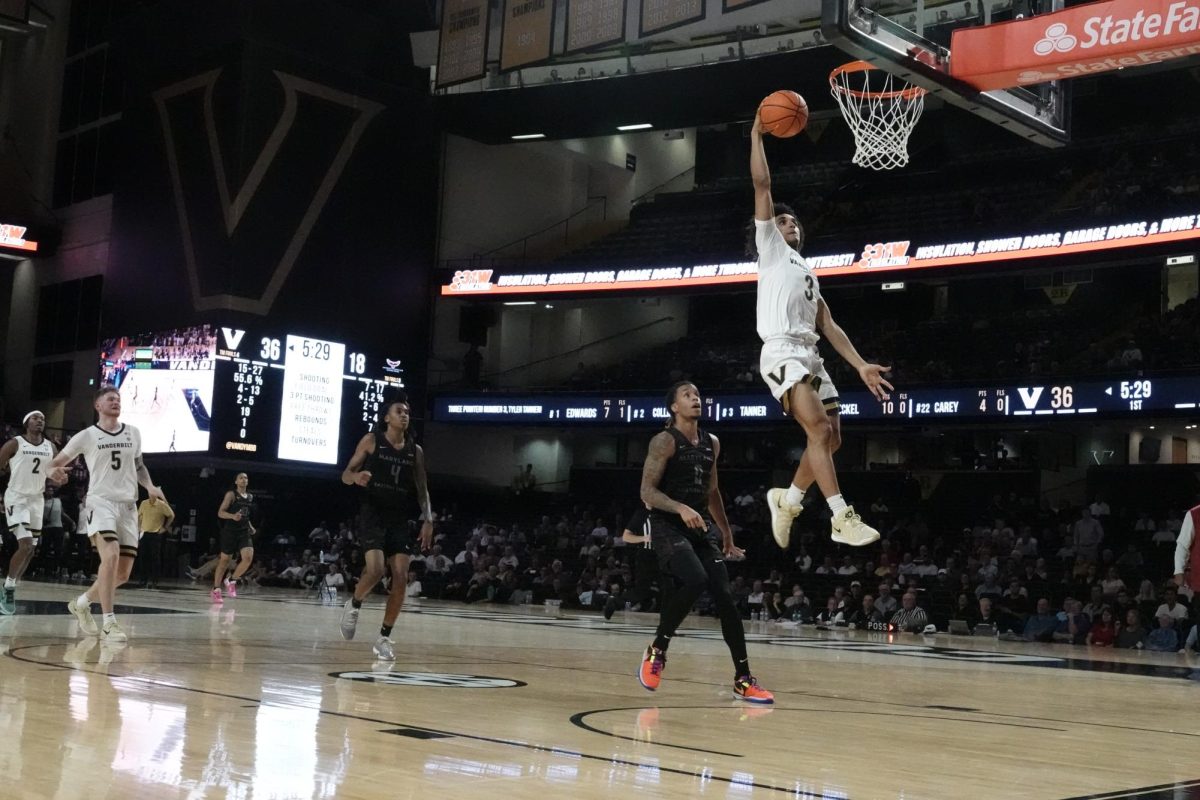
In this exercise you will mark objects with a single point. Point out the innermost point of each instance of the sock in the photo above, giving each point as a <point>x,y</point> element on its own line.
<point>110,617</point>
<point>385,631</point>
<point>9,583</point>
<point>355,602</point>
<point>661,642</point>
<point>836,504</point>
<point>741,668</point>
<point>83,601</point>
<point>795,496</point>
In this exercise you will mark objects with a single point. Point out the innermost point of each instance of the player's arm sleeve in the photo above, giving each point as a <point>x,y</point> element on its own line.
<point>1183,545</point>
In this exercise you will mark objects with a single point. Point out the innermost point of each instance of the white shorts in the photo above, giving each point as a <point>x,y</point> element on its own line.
<point>783,364</point>
<point>24,513</point>
<point>112,521</point>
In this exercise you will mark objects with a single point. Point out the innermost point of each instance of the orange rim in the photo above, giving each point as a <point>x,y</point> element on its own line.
<point>911,93</point>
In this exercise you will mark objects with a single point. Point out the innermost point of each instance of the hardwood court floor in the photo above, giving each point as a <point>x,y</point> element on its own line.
<point>263,699</point>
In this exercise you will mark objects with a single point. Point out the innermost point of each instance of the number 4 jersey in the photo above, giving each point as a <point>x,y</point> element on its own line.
<point>27,468</point>
<point>111,461</point>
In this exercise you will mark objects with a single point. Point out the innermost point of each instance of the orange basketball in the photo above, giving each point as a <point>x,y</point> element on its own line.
<point>783,113</point>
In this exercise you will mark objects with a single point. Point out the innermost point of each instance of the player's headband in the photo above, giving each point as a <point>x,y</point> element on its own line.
<point>30,414</point>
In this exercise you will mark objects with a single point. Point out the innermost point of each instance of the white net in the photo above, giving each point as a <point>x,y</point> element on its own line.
<point>880,109</point>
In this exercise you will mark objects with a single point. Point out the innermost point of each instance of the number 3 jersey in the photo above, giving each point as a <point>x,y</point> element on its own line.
<point>111,461</point>
<point>788,291</point>
<point>27,468</point>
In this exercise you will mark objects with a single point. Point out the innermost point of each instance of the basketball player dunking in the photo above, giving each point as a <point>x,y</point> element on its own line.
<point>679,483</point>
<point>390,466</point>
<point>28,458</point>
<point>113,453</point>
<point>790,310</point>
<point>237,536</point>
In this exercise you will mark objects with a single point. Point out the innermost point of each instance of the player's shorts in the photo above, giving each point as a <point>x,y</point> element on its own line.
<point>784,363</point>
<point>668,537</point>
<point>113,521</point>
<point>387,530</point>
<point>235,540</point>
<point>24,513</point>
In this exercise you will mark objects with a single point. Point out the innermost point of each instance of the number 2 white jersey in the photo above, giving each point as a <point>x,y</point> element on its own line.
<point>787,289</point>
<point>111,461</point>
<point>27,468</point>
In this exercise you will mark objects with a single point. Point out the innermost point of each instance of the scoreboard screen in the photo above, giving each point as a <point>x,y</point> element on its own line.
<point>166,384</point>
<point>258,395</point>
<point>1130,396</point>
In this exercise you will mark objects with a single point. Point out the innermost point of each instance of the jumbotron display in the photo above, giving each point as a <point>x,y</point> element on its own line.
<point>1061,399</point>
<point>249,394</point>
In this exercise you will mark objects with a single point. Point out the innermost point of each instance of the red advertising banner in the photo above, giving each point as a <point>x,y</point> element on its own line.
<point>1082,40</point>
<point>874,258</point>
<point>13,236</point>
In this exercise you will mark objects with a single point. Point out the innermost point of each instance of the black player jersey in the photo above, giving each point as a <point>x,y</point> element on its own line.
<point>243,503</point>
<point>393,473</point>
<point>686,477</point>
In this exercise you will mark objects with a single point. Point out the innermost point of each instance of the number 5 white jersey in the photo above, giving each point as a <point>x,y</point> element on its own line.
<point>111,461</point>
<point>27,467</point>
<point>787,289</point>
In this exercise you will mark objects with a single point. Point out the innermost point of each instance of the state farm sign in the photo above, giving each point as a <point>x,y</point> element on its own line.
<point>1083,40</point>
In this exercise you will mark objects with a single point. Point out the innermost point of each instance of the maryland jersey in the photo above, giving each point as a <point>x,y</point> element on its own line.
<point>393,474</point>
<point>686,476</point>
<point>111,461</point>
<point>27,468</point>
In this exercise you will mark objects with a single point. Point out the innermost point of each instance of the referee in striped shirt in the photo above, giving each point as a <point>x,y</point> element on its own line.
<point>909,616</point>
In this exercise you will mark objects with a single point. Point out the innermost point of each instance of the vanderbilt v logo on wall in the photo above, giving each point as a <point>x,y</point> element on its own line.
<point>190,126</point>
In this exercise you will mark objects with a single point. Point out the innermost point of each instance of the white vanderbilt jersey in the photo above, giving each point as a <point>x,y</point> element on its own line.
<point>27,468</point>
<point>111,461</point>
<point>787,289</point>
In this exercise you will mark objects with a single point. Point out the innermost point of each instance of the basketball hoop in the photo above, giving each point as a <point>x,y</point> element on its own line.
<point>882,116</point>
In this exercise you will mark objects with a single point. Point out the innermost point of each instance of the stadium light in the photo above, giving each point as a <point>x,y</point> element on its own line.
<point>523,136</point>
<point>641,126</point>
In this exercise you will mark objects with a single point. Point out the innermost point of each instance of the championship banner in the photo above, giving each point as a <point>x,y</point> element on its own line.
<point>1083,40</point>
<point>525,33</point>
<point>594,23</point>
<point>735,5</point>
<point>874,258</point>
<point>662,15</point>
<point>462,45</point>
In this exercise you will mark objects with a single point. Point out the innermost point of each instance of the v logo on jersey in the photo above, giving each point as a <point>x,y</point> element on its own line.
<point>234,206</point>
<point>233,337</point>
<point>1029,397</point>
<point>781,377</point>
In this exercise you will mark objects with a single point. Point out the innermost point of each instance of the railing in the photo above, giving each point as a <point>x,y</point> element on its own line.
<point>548,237</point>
<point>654,192</point>
<point>576,351</point>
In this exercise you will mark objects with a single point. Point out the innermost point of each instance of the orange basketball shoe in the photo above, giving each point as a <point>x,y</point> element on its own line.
<point>747,688</point>
<point>650,673</point>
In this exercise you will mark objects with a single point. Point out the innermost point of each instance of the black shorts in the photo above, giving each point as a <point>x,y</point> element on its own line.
<point>667,537</point>
<point>386,529</point>
<point>235,540</point>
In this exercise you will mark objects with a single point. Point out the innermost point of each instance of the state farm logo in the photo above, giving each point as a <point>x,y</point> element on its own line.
<point>1056,40</point>
<point>471,280</point>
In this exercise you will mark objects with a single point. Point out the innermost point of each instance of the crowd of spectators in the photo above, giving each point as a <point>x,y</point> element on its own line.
<point>1081,576</point>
